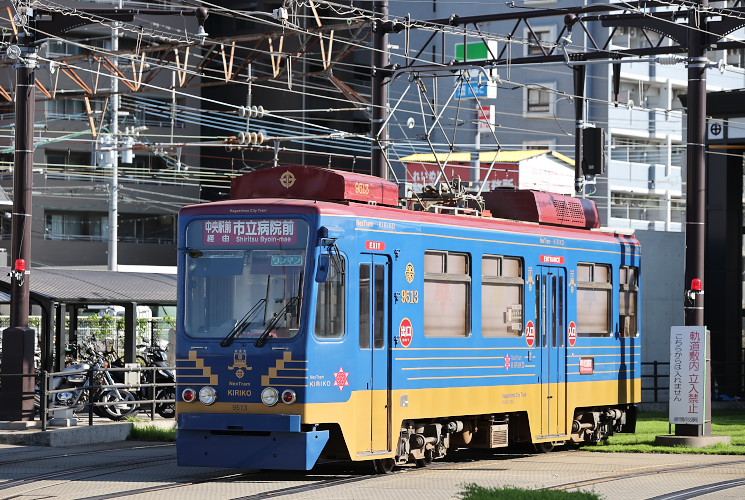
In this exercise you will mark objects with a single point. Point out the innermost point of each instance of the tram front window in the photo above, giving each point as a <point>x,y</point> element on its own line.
<point>244,287</point>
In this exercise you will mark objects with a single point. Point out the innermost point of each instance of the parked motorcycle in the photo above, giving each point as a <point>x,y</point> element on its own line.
<point>155,358</point>
<point>77,383</point>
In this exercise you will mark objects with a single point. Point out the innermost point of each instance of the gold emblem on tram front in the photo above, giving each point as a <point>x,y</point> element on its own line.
<point>410,273</point>
<point>239,363</point>
<point>287,179</point>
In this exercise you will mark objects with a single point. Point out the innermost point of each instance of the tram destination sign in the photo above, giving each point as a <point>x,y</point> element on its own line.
<point>257,232</point>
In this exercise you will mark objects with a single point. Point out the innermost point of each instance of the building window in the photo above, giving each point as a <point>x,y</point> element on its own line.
<point>154,112</point>
<point>65,160</point>
<point>91,226</point>
<point>638,206</point>
<point>61,108</point>
<point>147,163</point>
<point>539,145</point>
<point>61,48</point>
<point>330,302</point>
<point>594,300</point>
<point>538,99</point>
<point>629,289</point>
<point>540,41</point>
<point>142,228</point>
<point>501,296</point>
<point>447,294</point>
<point>6,225</point>
<point>76,226</point>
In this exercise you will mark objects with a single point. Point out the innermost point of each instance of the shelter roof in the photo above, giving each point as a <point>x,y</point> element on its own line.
<point>85,286</point>
<point>487,156</point>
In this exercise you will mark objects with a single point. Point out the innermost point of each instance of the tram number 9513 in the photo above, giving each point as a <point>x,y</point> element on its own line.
<point>240,407</point>
<point>410,296</point>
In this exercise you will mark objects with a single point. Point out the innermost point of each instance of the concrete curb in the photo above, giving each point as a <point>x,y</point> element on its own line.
<point>79,435</point>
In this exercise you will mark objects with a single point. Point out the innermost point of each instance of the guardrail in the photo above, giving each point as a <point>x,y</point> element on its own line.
<point>84,394</point>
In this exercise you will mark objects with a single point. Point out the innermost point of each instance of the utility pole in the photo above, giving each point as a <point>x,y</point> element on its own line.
<point>378,130</point>
<point>114,194</point>
<point>695,232</point>
<point>18,340</point>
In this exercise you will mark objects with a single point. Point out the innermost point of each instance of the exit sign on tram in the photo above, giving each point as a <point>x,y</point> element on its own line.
<point>476,51</point>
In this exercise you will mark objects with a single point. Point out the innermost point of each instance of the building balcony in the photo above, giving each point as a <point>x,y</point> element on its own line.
<point>636,177</point>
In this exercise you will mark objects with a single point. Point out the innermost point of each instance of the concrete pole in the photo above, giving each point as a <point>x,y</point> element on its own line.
<point>114,194</point>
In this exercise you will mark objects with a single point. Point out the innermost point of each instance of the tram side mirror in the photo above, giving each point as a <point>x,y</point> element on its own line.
<point>324,268</point>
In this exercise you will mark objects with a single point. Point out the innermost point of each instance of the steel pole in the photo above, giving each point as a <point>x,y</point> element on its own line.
<point>380,59</point>
<point>696,189</point>
<point>18,340</point>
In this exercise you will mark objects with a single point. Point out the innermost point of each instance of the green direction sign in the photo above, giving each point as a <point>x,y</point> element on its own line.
<point>476,51</point>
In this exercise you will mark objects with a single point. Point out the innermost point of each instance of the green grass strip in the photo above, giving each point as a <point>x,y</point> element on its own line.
<point>475,492</point>
<point>650,425</point>
<point>152,433</point>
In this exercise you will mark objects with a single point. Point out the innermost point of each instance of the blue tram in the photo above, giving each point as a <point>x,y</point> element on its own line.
<point>319,318</point>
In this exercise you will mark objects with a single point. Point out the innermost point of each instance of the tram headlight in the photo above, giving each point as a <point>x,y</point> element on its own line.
<point>189,395</point>
<point>289,396</point>
<point>270,396</point>
<point>207,395</point>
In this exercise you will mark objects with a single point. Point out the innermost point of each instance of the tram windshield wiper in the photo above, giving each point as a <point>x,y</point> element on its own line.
<point>240,326</point>
<point>275,319</point>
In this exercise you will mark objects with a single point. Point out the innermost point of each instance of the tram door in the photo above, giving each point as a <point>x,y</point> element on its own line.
<point>551,286</point>
<point>374,295</point>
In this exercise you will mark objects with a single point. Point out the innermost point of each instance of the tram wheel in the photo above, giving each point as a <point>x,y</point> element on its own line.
<point>423,462</point>
<point>384,466</point>
<point>546,447</point>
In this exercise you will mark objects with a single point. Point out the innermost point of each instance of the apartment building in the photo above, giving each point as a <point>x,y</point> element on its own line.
<point>78,148</point>
<point>644,184</point>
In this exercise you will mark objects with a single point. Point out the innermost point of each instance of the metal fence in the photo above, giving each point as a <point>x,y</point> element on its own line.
<point>655,381</point>
<point>84,399</point>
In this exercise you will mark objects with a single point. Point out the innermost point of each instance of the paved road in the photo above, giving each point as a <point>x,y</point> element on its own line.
<point>148,471</point>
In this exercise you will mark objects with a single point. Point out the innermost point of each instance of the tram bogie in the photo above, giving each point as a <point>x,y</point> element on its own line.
<point>319,319</point>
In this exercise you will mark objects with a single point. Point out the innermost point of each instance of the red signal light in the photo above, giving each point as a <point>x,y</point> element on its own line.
<point>189,395</point>
<point>696,285</point>
<point>20,265</point>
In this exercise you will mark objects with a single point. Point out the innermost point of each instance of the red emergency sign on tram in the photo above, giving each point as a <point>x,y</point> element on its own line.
<point>530,333</point>
<point>375,245</point>
<point>572,333</point>
<point>406,332</point>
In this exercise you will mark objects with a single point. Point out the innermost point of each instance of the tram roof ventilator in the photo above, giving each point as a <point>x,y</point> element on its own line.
<point>316,183</point>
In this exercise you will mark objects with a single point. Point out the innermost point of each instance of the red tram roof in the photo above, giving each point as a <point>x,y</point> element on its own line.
<point>322,184</point>
<point>313,183</point>
<point>544,208</point>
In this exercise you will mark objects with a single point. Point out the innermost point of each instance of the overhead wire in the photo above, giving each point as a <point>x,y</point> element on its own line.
<point>517,83</point>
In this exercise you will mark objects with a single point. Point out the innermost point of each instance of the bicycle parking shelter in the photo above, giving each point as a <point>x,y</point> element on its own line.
<point>61,292</point>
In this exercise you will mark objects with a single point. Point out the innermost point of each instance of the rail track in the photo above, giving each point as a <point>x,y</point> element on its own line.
<point>149,471</point>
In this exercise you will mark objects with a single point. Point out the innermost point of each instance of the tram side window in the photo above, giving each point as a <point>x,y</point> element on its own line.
<point>594,300</point>
<point>501,296</point>
<point>447,294</point>
<point>629,290</point>
<point>330,303</point>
